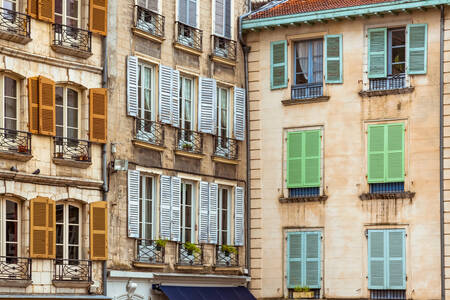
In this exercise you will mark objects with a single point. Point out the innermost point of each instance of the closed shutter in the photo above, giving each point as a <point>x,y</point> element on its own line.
<point>278,65</point>
<point>311,173</point>
<point>133,203</point>
<point>165,94</point>
<point>207,105</point>
<point>227,33</point>
<point>33,104</point>
<point>98,16</point>
<point>175,96</point>
<point>333,58</point>
<point>204,215</point>
<point>395,153</point>
<point>132,85</point>
<point>183,11</point>
<point>176,209</point>
<point>377,52</point>
<point>165,208</point>
<point>377,278</point>
<point>294,259</point>
<point>192,18</point>
<point>376,155</point>
<point>312,259</point>
<point>46,10</point>
<point>219,17</point>
<point>213,199</point>
<point>99,230</point>
<point>42,228</point>
<point>152,5</point>
<point>239,113</point>
<point>47,125</point>
<point>51,229</point>
<point>98,104</point>
<point>239,216</point>
<point>32,8</point>
<point>294,159</point>
<point>396,260</point>
<point>417,49</point>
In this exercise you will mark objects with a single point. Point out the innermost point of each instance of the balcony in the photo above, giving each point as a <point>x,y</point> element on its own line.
<point>15,271</point>
<point>15,145</point>
<point>148,134</point>
<point>224,50</point>
<point>72,152</point>
<point>148,252</point>
<point>148,24</point>
<point>390,85</point>
<point>227,256</point>
<point>72,272</point>
<point>189,141</point>
<point>226,148</point>
<point>190,255</point>
<point>15,26</point>
<point>188,38</point>
<point>72,41</point>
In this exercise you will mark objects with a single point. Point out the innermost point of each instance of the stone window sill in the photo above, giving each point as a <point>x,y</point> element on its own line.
<point>13,37</point>
<point>386,92</point>
<point>303,199</point>
<point>394,195</point>
<point>71,51</point>
<point>223,60</point>
<point>189,267</point>
<point>305,100</point>
<point>71,283</point>
<point>72,163</point>
<point>16,156</point>
<point>189,154</point>
<point>148,265</point>
<point>187,49</point>
<point>147,145</point>
<point>147,35</point>
<point>18,283</point>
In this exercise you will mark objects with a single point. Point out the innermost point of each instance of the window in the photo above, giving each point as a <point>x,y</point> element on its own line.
<point>146,92</point>
<point>146,207</point>
<point>67,112</point>
<point>67,12</point>
<point>9,218</point>
<point>223,104</point>
<point>68,231</point>
<point>148,18</point>
<point>9,103</point>
<point>149,4</point>
<point>396,51</point>
<point>308,69</point>
<point>224,216</point>
<point>186,102</point>
<point>187,12</point>
<point>222,18</point>
<point>9,4</point>
<point>187,212</point>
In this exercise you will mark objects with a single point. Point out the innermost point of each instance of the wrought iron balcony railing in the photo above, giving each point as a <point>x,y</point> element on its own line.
<point>227,258</point>
<point>225,147</point>
<point>147,251</point>
<point>15,23</point>
<point>224,47</point>
<point>149,131</point>
<point>72,270</point>
<point>189,256</point>
<point>15,141</point>
<point>149,21</point>
<point>391,82</point>
<point>72,149</point>
<point>15,268</point>
<point>189,36</point>
<point>190,141</point>
<point>71,37</point>
<point>306,91</point>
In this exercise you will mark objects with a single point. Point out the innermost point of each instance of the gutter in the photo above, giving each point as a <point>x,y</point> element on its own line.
<point>104,154</point>
<point>441,150</point>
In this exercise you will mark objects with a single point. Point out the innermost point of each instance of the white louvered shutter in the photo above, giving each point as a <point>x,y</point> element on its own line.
<point>133,203</point>
<point>176,209</point>
<point>192,6</point>
<point>207,105</point>
<point>132,85</point>
<point>204,215</point>
<point>239,216</point>
<point>239,113</point>
<point>219,17</point>
<point>213,195</point>
<point>183,11</point>
<point>175,96</point>
<point>165,211</point>
<point>165,94</point>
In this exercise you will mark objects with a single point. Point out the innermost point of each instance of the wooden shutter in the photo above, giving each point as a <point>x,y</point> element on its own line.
<point>394,152</point>
<point>192,7</point>
<point>32,8</point>
<point>99,230</point>
<point>183,11</point>
<point>175,98</point>
<point>294,259</point>
<point>278,64</point>
<point>239,216</point>
<point>311,163</point>
<point>376,154</point>
<point>175,231</point>
<point>377,52</point>
<point>165,208</point>
<point>207,105</point>
<point>239,113</point>
<point>42,228</point>
<point>333,58</point>
<point>395,266</point>
<point>227,33</point>
<point>98,104</point>
<point>47,125</point>
<point>376,247</point>
<point>219,17</point>
<point>204,212</point>
<point>294,159</point>
<point>417,49</point>
<point>213,200</point>
<point>46,10</point>
<point>98,13</point>
<point>133,203</point>
<point>165,94</point>
<point>312,259</point>
<point>132,85</point>
<point>33,104</point>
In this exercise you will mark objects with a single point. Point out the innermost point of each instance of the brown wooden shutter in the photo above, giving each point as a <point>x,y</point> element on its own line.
<point>46,10</point>
<point>39,227</point>
<point>51,229</point>
<point>98,107</point>
<point>32,8</point>
<point>99,230</point>
<point>33,104</point>
<point>98,16</point>
<point>47,124</point>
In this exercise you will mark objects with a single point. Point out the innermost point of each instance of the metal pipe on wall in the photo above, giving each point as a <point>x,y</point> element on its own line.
<point>104,149</point>
<point>441,150</point>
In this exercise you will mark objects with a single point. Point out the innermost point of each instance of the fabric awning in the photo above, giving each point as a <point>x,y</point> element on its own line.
<point>207,293</point>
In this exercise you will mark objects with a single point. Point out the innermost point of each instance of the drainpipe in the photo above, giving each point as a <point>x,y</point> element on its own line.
<point>441,149</point>
<point>104,158</point>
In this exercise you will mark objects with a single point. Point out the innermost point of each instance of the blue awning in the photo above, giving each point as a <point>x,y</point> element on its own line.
<point>207,293</point>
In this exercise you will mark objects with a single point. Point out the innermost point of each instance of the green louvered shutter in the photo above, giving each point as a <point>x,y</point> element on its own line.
<point>278,64</point>
<point>312,259</point>
<point>311,173</point>
<point>395,153</point>
<point>376,154</point>
<point>377,52</point>
<point>377,259</point>
<point>294,159</point>
<point>294,259</point>
<point>333,58</point>
<point>396,260</point>
<point>417,49</point>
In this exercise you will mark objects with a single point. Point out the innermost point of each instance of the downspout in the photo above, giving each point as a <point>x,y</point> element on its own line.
<point>441,150</point>
<point>104,158</point>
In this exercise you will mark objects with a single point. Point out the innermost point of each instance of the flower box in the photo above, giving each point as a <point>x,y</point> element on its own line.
<point>303,295</point>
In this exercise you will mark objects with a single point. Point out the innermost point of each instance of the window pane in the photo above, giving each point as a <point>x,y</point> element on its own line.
<point>224,219</point>
<point>148,211</point>
<point>72,117</point>
<point>59,234</point>
<point>188,236</point>
<point>59,116</point>
<point>188,194</point>
<point>398,55</point>
<point>147,78</point>
<point>11,124</point>
<point>74,214</point>
<point>9,5</point>
<point>59,95</point>
<point>224,199</point>
<point>398,69</point>
<point>11,232</point>
<point>148,231</point>
<point>72,98</point>
<point>72,8</point>
<point>72,133</point>
<point>11,249</point>
<point>58,7</point>
<point>73,234</point>
<point>73,252</point>
<point>187,110</point>
<point>398,37</point>
<point>59,251</point>
<point>10,108</point>
<point>149,188</point>
<point>10,87</point>
<point>59,131</point>
<point>11,210</point>
<point>59,213</point>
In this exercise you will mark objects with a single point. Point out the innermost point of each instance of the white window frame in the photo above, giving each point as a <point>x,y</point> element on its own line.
<point>64,106</point>
<point>3,226</point>
<point>231,20</point>
<point>143,220</point>
<point>64,13</point>
<point>219,115</point>
<point>182,100</point>
<point>3,102</point>
<point>141,96</point>
<point>220,219</point>
<point>66,228</point>
<point>183,209</point>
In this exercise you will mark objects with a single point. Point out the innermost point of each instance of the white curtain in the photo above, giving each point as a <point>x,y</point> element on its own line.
<point>302,55</point>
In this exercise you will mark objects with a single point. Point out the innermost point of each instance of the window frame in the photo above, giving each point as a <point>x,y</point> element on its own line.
<point>218,111</point>
<point>65,108</point>
<point>390,50</point>
<point>183,211</point>
<point>142,192</point>
<point>3,102</point>
<point>197,17</point>
<point>142,89</point>
<point>64,14</point>
<point>182,101</point>
<point>220,209</point>
<point>223,20</point>
<point>3,221</point>
<point>310,59</point>
<point>66,225</point>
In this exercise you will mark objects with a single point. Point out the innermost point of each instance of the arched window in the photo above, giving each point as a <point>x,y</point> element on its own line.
<point>68,231</point>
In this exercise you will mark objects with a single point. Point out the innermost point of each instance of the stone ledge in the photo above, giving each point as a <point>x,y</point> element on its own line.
<point>303,199</point>
<point>14,37</point>
<point>146,35</point>
<point>398,195</point>
<point>20,283</point>
<point>143,144</point>
<point>223,60</point>
<point>386,92</point>
<point>189,267</point>
<point>16,156</point>
<point>71,51</point>
<point>71,283</point>
<point>72,163</point>
<point>189,154</point>
<point>224,160</point>
<point>187,49</point>
<point>305,100</point>
<point>50,180</point>
<point>148,265</point>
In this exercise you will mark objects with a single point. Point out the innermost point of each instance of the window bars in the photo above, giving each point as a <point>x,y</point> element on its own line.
<point>190,141</point>
<point>15,141</point>
<point>15,23</point>
<point>149,21</point>
<point>72,37</point>
<point>226,147</point>
<point>224,47</point>
<point>306,91</point>
<point>72,149</point>
<point>391,82</point>
<point>72,270</point>
<point>227,258</point>
<point>149,131</point>
<point>190,257</point>
<point>15,268</point>
<point>189,36</point>
<point>147,251</point>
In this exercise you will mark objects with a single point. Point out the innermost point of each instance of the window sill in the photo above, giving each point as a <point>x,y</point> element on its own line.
<point>225,160</point>
<point>16,156</point>
<point>189,267</point>
<point>303,199</point>
<point>148,265</point>
<point>386,92</point>
<point>71,51</point>
<point>18,283</point>
<point>187,49</point>
<point>219,268</point>
<point>146,145</point>
<point>189,154</point>
<point>223,60</point>
<point>72,163</point>
<point>13,37</point>
<point>147,35</point>
<point>71,283</point>
<point>393,195</point>
<point>305,100</point>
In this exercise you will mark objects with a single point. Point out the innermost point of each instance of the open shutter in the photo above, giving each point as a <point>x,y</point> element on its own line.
<point>204,215</point>
<point>183,11</point>
<point>32,8</point>
<point>333,58</point>
<point>51,229</point>
<point>98,16</point>
<point>165,94</point>
<point>207,107</point>
<point>39,229</point>
<point>311,173</point>
<point>175,96</point>
<point>47,125</point>
<point>376,247</point>
<point>396,260</point>
<point>294,159</point>
<point>239,113</point>
<point>176,209</point>
<point>219,26</point>
<point>376,154</point>
<point>278,64</point>
<point>165,211</point>
<point>394,152</point>
<point>377,52</point>
<point>417,49</point>
<point>227,19</point>
<point>46,10</point>
<point>98,101</point>
<point>213,199</point>
<point>132,85</point>
<point>99,230</point>
<point>294,259</point>
<point>192,7</point>
<point>312,259</point>
<point>33,104</point>
<point>239,216</point>
<point>133,203</point>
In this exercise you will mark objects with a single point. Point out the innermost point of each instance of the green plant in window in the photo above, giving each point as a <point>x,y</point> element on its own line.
<point>228,249</point>
<point>160,244</point>
<point>191,248</point>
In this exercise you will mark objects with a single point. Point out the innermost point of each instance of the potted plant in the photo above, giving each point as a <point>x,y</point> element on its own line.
<point>226,249</point>
<point>59,155</point>
<point>302,292</point>
<point>187,147</point>
<point>159,244</point>
<point>22,149</point>
<point>191,248</point>
<point>83,157</point>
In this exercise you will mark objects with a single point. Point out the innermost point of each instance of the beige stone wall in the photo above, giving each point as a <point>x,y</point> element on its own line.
<point>343,218</point>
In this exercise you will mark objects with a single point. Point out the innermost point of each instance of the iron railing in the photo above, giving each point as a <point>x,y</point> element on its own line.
<point>73,149</point>
<point>15,141</point>
<point>306,91</point>
<point>147,251</point>
<point>149,131</point>
<point>15,268</point>
<point>15,22</point>
<point>388,294</point>
<point>186,257</point>
<point>391,82</point>
<point>224,47</point>
<point>388,187</point>
<point>149,21</point>
<point>225,147</point>
<point>226,259</point>
<point>304,192</point>
<point>72,270</point>
<point>190,141</point>
<point>72,37</point>
<point>189,36</point>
